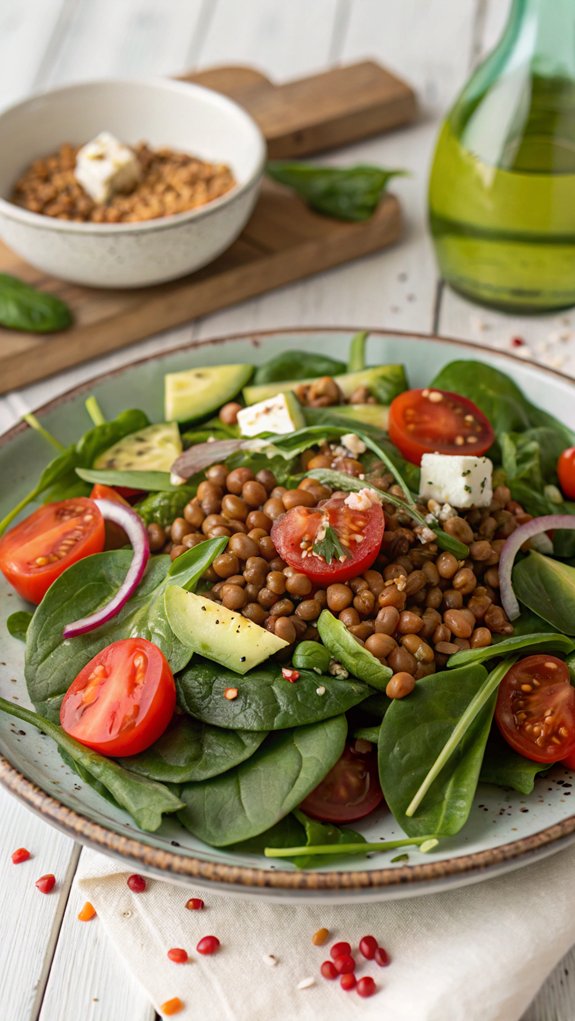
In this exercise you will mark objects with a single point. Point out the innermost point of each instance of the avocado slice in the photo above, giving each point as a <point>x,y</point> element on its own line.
<point>384,381</point>
<point>217,633</point>
<point>348,651</point>
<point>195,393</point>
<point>154,448</point>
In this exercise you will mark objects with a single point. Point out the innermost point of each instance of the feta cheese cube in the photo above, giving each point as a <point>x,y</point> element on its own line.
<point>353,443</point>
<point>362,500</point>
<point>463,482</point>
<point>105,167</point>
<point>280,414</point>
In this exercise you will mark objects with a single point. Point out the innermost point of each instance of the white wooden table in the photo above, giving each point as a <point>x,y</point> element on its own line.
<point>52,968</point>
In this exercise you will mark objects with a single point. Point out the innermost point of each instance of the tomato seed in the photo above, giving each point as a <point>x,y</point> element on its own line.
<point>341,949</point>
<point>177,955</point>
<point>328,970</point>
<point>87,913</point>
<point>348,981</point>
<point>381,957</point>
<point>344,965</point>
<point>367,946</point>
<point>173,1006</point>
<point>46,883</point>
<point>319,938</point>
<point>195,904</point>
<point>230,694</point>
<point>208,945</point>
<point>20,855</point>
<point>137,883</point>
<point>366,986</point>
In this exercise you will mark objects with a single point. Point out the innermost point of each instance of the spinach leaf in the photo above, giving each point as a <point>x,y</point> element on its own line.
<point>345,193</point>
<point>356,357</point>
<point>311,656</point>
<point>529,461</point>
<point>18,624</point>
<point>376,705</point>
<point>51,663</point>
<point>319,834</point>
<point>290,365</point>
<point>145,800</point>
<point>551,641</point>
<point>265,701</point>
<point>285,833</point>
<point>370,734</point>
<point>147,481</point>
<point>23,307</point>
<point>190,750</point>
<point>163,507</point>
<point>413,736</point>
<point>254,796</point>
<point>505,768</point>
<point>358,660</point>
<point>547,587</point>
<point>58,469</point>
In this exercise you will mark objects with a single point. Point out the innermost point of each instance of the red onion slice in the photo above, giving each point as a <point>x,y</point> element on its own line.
<point>136,531</point>
<point>546,523</point>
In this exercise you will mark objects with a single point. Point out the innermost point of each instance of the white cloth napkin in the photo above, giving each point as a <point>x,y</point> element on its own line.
<point>479,953</point>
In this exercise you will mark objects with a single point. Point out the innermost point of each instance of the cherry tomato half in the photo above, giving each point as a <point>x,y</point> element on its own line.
<point>40,548</point>
<point>333,541</point>
<point>535,709</point>
<point>115,534</point>
<point>437,422</point>
<point>566,472</point>
<point>350,790</point>
<point>122,700</point>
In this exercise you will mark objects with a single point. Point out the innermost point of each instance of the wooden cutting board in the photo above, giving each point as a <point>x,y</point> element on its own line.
<point>283,241</point>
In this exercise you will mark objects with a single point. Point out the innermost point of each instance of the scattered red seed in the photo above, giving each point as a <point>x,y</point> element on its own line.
<point>173,1006</point>
<point>381,957</point>
<point>137,883</point>
<point>46,883</point>
<point>320,937</point>
<point>20,855</point>
<point>366,986</point>
<point>517,342</point>
<point>230,694</point>
<point>87,913</point>
<point>195,904</point>
<point>341,949</point>
<point>177,955</point>
<point>367,946</point>
<point>344,965</point>
<point>348,981</point>
<point>328,970</point>
<point>208,945</point>
<point>290,675</point>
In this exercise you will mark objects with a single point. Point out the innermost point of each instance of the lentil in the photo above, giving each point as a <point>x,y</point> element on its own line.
<point>400,685</point>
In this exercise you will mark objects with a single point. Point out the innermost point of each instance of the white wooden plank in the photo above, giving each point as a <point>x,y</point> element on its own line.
<point>25,32</point>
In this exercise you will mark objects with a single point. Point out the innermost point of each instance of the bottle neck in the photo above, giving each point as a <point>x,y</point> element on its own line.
<point>543,33</point>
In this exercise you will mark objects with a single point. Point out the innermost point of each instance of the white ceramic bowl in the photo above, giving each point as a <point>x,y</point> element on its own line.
<point>163,113</point>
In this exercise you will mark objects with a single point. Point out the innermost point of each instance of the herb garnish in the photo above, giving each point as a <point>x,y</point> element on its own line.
<point>329,547</point>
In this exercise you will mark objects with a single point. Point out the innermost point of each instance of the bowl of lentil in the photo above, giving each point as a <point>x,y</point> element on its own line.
<point>201,159</point>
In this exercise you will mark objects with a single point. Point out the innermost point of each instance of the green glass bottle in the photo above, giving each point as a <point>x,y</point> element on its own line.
<point>502,186</point>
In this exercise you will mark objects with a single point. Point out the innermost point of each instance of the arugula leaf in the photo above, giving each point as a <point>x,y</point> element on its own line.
<point>23,307</point>
<point>18,624</point>
<point>345,193</point>
<point>329,547</point>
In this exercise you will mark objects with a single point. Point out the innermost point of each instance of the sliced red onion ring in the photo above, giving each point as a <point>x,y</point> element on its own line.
<point>136,531</point>
<point>546,523</point>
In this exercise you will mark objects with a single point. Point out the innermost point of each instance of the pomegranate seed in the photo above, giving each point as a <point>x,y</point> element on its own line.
<point>208,945</point>
<point>320,937</point>
<point>177,955</point>
<point>328,970</point>
<point>348,981</point>
<point>290,675</point>
<point>137,883</point>
<point>173,1006</point>
<point>195,904</point>
<point>344,965</point>
<point>46,883</point>
<point>87,913</point>
<point>230,694</point>
<point>340,950</point>
<point>366,986</point>
<point>368,946</point>
<point>20,855</point>
<point>517,342</point>
<point>381,957</point>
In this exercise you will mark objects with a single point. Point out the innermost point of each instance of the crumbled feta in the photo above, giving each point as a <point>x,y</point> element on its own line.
<point>353,444</point>
<point>459,481</point>
<point>280,414</point>
<point>105,167</point>
<point>177,480</point>
<point>337,669</point>
<point>424,534</point>
<point>362,500</point>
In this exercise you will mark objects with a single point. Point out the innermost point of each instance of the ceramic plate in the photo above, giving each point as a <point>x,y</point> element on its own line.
<point>505,829</point>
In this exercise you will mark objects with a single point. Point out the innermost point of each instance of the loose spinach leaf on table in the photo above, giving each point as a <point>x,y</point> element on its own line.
<point>145,800</point>
<point>191,751</point>
<point>252,797</point>
<point>265,700</point>
<point>51,663</point>
<point>18,624</point>
<point>23,307</point>
<point>290,365</point>
<point>547,587</point>
<point>505,768</point>
<point>345,193</point>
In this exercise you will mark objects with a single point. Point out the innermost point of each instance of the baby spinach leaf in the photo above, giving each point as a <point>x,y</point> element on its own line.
<point>413,735</point>
<point>367,734</point>
<point>145,800</point>
<point>551,641</point>
<point>311,656</point>
<point>60,468</point>
<point>265,701</point>
<point>345,649</point>
<point>254,796</point>
<point>376,705</point>
<point>506,768</point>
<point>18,624</point>
<point>102,436</point>
<point>547,587</point>
<point>190,750</point>
<point>51,664</point>
<point>147,481</point>
<point>321,834</point>
<point>163,507</point>
<point>291,365</point>
<point>345,193</point>
<point>23,307</point>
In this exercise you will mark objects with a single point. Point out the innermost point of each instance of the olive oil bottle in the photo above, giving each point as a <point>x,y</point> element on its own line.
<point>502,186</point>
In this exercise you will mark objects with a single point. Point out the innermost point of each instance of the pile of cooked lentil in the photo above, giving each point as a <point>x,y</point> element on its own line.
<point>414,608</point>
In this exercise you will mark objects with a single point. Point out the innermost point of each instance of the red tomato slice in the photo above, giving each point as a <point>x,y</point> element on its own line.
<point>535,709</point>
<point>40,548</point>
<point>350,790</point>
<point>566,472</point>
<point>437,422</point>
<point>304,538</point>
<point>123,699</point>
<point>115,534</point>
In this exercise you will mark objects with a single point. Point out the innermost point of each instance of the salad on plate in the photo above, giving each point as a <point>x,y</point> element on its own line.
<point>312,594</point>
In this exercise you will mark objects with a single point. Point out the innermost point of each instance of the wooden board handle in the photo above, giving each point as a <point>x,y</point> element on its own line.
<point>323,111</point>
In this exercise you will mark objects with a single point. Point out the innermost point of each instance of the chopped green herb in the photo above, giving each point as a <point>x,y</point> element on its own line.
<point>329,547</point>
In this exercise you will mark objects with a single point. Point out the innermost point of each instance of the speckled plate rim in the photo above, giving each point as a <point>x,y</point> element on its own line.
<point>403,881</point>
